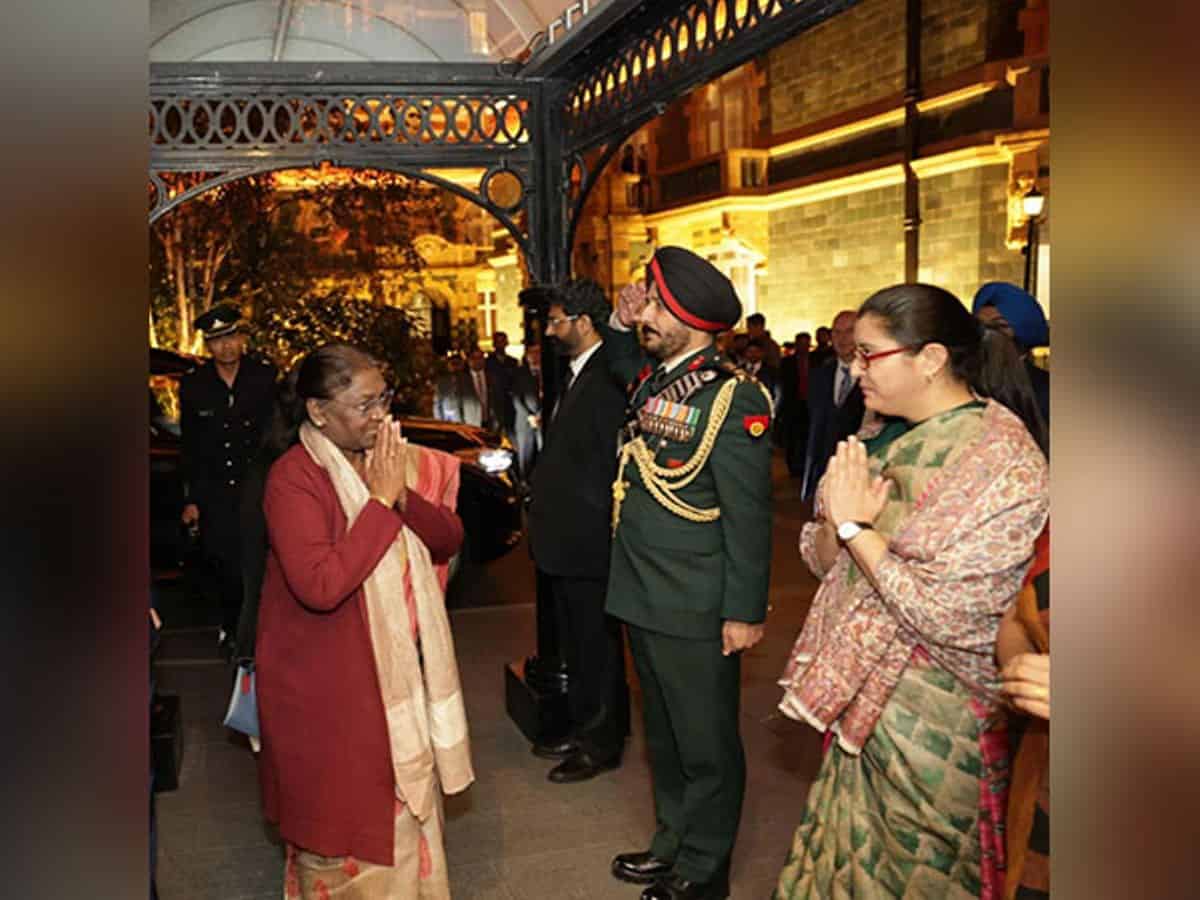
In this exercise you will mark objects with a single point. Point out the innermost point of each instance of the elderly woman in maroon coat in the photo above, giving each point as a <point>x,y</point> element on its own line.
<point>363,725</point>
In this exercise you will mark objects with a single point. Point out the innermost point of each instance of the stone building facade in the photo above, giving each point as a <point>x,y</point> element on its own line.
<point>789,172</point>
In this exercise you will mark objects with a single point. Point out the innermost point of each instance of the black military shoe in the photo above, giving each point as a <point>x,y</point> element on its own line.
<point>558,750</point>
<point>675,887</point>
<point>580,766</point>
<point>640,868</point>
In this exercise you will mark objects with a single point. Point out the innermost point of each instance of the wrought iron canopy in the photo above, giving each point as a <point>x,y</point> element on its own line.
<point>576,99</point>
<point>661,51</point>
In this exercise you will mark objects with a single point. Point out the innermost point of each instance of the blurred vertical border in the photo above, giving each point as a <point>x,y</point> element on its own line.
<point>73,252</point>
<point>1126,486</point>
<point>1125,758</point>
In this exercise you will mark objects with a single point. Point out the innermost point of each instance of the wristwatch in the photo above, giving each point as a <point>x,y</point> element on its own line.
<point>848,531</point>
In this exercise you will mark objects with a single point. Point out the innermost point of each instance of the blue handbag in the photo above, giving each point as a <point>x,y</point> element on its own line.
<point>243,705</point>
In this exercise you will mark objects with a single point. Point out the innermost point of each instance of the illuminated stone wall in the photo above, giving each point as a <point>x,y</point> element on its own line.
<point>963,230</point>
<point>831,255</point>
<point>857,57</point>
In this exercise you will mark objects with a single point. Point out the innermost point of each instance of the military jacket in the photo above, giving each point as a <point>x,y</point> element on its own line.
<point>221,429</point>
<point>672,573</point>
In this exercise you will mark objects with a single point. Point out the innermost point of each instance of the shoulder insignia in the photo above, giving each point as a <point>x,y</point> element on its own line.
<point>756,426</point>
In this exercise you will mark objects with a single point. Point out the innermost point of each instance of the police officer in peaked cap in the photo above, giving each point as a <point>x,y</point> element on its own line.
<point>225,405</point>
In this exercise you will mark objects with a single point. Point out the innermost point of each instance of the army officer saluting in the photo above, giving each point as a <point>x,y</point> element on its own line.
<point>224,404</point>
<point>690,561</point>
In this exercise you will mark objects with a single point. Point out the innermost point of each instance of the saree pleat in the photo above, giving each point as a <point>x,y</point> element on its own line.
<point>902,819</point>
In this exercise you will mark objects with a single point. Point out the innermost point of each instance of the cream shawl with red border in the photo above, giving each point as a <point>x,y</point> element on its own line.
<point>422,697</point>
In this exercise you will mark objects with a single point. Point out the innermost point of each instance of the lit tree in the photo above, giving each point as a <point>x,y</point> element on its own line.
<point>285,332</point>
<point>193,250</point>
<point>266,241</point>
<point>263,244</point>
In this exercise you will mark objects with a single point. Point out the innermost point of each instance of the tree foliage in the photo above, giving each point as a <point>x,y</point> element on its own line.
<point>266,242</point>
<point>285,332</point>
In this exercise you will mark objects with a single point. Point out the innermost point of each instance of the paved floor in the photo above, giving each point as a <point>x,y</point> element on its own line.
<point>512,835</point>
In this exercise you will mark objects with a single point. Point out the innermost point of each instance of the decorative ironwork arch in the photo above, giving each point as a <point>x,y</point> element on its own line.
<point>240,120</point>
<point>162,202</point>
<point>588,92</point>
<point>585,94</point>
<point>653,55</point>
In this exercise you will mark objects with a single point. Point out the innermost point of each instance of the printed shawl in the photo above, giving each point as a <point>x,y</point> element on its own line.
<point>422,698</point>
<point>956,559</point>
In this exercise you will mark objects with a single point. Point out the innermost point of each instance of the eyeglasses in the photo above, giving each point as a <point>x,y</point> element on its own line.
<point>557,320</point>
<point>383,402</point>
<point>867,358</point>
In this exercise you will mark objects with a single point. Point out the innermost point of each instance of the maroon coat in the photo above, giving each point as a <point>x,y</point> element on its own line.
<point>325,767</point>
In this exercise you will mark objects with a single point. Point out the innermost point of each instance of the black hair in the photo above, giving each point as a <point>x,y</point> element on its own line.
<point>756,342</point>
<point>756,319</point>
<point>321,374</point>
<point>981,356</point>
<point>803,334</point>
<point>584,297</point>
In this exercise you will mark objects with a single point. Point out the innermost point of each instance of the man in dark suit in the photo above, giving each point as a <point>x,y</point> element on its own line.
<point>570,521</point>
<point>501,368</point>
<point>691,561</point>
<point>527,409</point>
<point>755,363</point>
<point>756,330</point>
<point>823,352</point>
<point>447,404</point>
<point>469,395</point>
<point>793,404</point>
<point>835,403</point>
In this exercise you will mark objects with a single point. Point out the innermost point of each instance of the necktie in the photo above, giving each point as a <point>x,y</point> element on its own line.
<point>567,382</point>
<point>847,384</point>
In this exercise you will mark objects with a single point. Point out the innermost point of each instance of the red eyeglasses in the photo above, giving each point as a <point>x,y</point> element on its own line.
<point>867,358</point>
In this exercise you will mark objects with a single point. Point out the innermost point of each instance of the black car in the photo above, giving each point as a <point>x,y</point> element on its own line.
<point>488,499</point>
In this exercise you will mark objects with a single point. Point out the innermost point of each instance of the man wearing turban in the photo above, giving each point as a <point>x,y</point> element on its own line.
<point>1018,313</point>
<point>690,560</point>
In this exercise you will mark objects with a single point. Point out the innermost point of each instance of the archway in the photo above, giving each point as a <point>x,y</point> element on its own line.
<point>461,259</point>
<point>538,117</point>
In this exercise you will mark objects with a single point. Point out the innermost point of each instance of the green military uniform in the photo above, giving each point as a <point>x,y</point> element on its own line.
<point>691,549</point>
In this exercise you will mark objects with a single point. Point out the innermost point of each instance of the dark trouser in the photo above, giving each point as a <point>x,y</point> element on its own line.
<point>220,531</point>
<point>591,645</point>
<point>690,699</point>
<point>228,577</point>
<point>795,438</point>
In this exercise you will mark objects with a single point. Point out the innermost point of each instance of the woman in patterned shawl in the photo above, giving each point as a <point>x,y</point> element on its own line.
<point>924,528</point>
